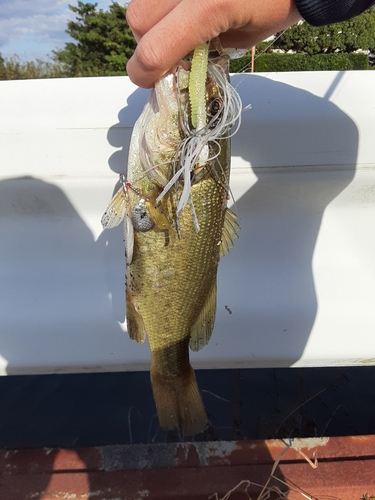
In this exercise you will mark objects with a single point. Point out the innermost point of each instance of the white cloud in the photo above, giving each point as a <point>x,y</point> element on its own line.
<point>26,8</point>
<point>41,27</point>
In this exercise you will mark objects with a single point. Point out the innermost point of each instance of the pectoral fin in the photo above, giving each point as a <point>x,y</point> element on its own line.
<point>136,327</point>
<point>230,232</point>
<point>202,329</point>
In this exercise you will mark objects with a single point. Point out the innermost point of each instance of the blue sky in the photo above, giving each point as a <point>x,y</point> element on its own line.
<point>33,28</point>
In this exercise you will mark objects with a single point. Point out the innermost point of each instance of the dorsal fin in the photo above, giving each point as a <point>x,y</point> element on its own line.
<point>230,232</point>
<point>201,331</point>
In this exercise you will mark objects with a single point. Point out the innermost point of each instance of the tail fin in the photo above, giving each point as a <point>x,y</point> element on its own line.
<point>178,402</point>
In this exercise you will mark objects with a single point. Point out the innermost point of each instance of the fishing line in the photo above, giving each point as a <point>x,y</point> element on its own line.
<point>274,40</point>
<point>190,149</point>
<point>199,147</point>
<point>243,108</point>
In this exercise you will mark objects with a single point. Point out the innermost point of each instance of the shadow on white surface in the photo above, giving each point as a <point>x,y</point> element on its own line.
<point>55,311</point>
<point>267,301</point>
<point>268,281</point>
<point>63,292</point>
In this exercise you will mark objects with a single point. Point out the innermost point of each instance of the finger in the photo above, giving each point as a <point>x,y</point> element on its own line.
<point>191,23</point>
<point>273,18</point>
<point>170,40</point>
<point>142,15</point>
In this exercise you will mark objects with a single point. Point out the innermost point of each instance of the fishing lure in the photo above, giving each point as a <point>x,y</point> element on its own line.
<point>197,86</point>
<point>171,276</point>
<point>146,214</point>
<point>201,143</point>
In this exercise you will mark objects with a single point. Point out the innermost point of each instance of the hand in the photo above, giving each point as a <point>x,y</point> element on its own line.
<point>167,30</point>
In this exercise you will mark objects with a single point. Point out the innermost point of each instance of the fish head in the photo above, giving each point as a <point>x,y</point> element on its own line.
<point>171,155</point>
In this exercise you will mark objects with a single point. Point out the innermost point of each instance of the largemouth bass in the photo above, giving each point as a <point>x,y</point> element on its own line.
<point>177,225</point>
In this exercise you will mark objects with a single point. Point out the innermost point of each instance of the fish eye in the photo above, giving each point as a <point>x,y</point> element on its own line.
<point>214,106</point>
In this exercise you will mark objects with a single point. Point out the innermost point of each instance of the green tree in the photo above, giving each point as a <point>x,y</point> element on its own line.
<point>2,68</point>
<point>348,36</point>
<point>12,68</point>
<point>103,41</point>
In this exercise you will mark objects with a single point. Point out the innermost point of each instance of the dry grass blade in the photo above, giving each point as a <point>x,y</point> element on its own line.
<point>267,490</point>
<point>215,496</point>
<point>310,399</point>
<point>266,495</point>
<point>314,464</point>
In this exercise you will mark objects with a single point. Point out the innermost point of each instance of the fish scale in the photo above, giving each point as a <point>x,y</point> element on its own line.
<point>176,280</point>
<point>172,274</point>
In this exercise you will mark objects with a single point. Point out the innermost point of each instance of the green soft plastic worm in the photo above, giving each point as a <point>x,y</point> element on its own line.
<point>197,86</point>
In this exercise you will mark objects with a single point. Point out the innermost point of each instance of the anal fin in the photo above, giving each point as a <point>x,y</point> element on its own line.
<point>201,331</point>
<point>136,327</point>
<point>230,232</point>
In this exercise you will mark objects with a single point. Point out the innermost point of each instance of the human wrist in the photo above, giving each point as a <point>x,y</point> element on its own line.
<point>323,12</point>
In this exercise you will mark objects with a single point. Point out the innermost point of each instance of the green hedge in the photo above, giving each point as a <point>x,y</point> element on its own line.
<point>241,64</point>
<point>304,62</point>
